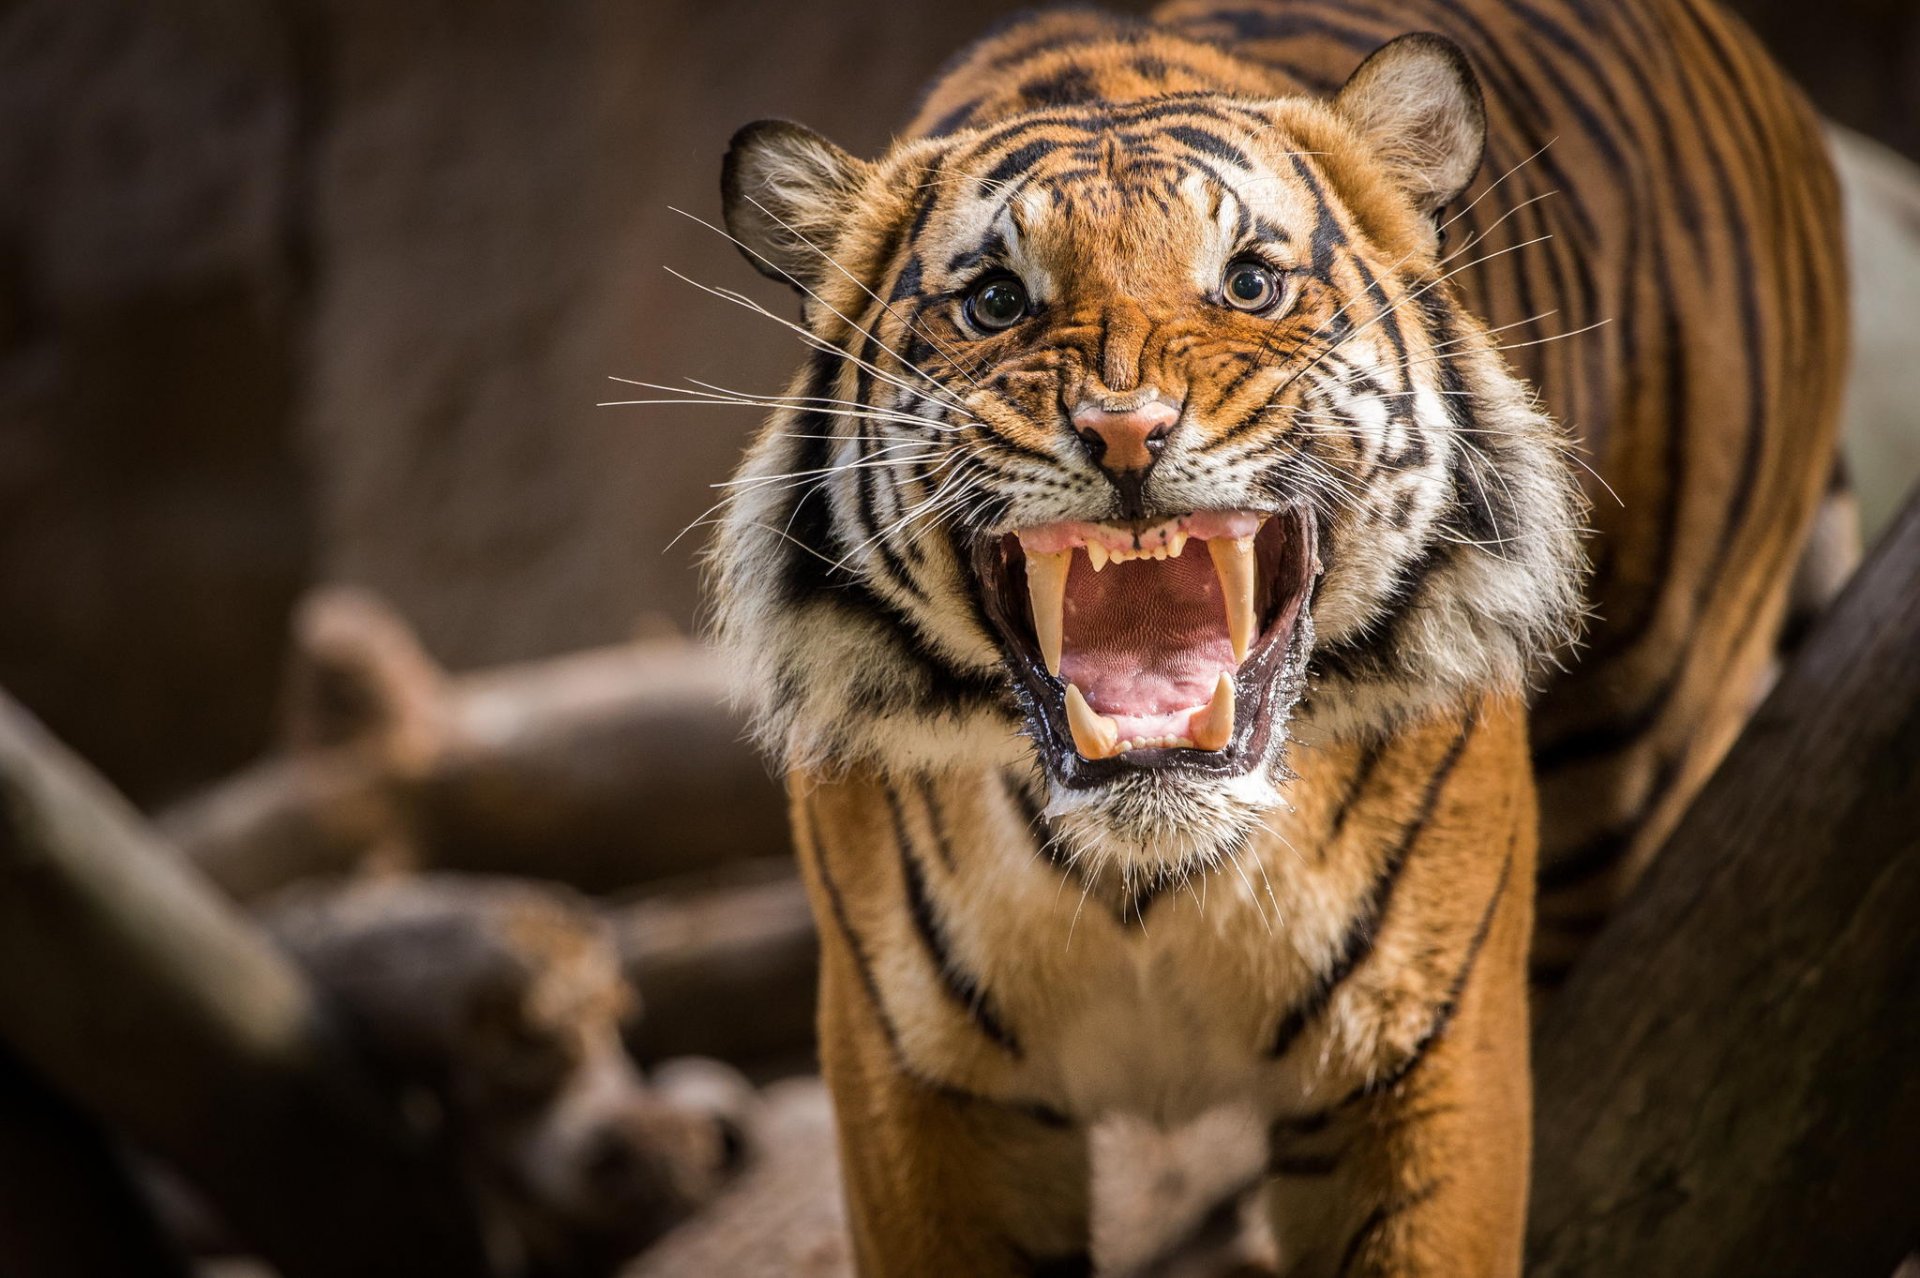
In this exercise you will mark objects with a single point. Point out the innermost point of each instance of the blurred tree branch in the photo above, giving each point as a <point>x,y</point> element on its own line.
<point>131,986</point>
<point>601,769</point>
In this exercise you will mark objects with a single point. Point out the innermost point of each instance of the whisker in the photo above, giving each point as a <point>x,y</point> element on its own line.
<point>812,340</point>
<point>861,285</point>
<point>845,319</point>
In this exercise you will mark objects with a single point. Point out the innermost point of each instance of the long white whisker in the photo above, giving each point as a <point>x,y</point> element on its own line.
<point>861,285</point>
<point>945,394</point>
<point>807,336</point>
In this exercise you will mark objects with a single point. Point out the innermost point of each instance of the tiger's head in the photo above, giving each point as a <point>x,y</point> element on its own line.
<point>1137,434</point>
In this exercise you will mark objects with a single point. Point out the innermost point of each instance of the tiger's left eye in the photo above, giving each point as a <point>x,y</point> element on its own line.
<point>1250,286</point>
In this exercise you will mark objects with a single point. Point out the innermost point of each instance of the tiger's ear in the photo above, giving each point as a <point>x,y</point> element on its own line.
<point>786,191</point>
<point>1417,100</point>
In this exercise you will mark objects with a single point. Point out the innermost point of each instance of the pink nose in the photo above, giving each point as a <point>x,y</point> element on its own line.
<point>1125,442</point>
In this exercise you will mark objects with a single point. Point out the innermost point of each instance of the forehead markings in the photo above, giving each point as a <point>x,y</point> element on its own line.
<point>1326,237</point>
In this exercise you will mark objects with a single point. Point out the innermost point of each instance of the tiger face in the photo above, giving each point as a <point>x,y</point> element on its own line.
<point>1137,434</point>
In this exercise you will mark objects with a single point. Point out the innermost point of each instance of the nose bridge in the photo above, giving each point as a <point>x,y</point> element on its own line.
<point>1123,337</point>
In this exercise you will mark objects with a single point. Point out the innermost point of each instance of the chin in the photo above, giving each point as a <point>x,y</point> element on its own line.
<point>1158,663</point>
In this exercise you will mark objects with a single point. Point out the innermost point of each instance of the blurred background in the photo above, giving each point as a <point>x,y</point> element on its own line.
<point>323,293</point>
<point>326,290</point>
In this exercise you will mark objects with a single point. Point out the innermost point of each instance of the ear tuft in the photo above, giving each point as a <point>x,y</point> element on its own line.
<point>1417,100</point>
<point>785,191</point>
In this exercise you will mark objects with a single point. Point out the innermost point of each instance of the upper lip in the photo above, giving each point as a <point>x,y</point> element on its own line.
<point>1266,565</point>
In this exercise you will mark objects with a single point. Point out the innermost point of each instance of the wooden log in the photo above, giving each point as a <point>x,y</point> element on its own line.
<point>136,990</point>
<point>1730,1082</point>
<point>601,769</point>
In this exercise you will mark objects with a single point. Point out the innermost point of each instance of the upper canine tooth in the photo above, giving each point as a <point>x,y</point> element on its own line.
<point>1094,735</point>
<point>1212,728</point>
<point>1176,542</point>
<point>1047,592</point>
<point>1097,555</point>
<point>1233,561</point>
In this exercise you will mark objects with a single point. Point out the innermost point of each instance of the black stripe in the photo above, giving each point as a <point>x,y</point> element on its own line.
<point>1069,86</point>
<point>1044,842</point>
<point>1362,774</point>
<point>908,282</point>
<point>1443,1015</point>
<point>1350,653</point>
<point>961,985</point>
<point>966,259</point>
<point>811,522</point>
<point>1587,860</point>
<point>1037,1111</point>
<point>1208,143</point>
<point>1364,926</point>
<point>954,120</point>
<point>942,846</point>
<point>1480,512</point>
<point>837,906</point>
<point>1279,25</point>
<point>1590,859</point>
<point>1326,237</point>
<point>878,536</point>
<point>1144,896</point>
<point>1016,162</point>
<point>1377,1220</point>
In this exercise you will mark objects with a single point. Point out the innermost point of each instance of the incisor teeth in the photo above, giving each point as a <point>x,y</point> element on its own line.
<point>1233,561</point>
<point>1212,728</point>
<point>1096,555</point>
<point>1094,735</point>
<point>1047,592</point>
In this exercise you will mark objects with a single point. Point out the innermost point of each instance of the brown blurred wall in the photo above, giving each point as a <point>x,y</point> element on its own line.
<point>327,289</point>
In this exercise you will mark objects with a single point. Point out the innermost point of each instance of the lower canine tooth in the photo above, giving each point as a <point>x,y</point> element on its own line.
<point>1094,735</point>
<point>1212,728</point>
<point>1233,561</point>
<point>1047,592</point>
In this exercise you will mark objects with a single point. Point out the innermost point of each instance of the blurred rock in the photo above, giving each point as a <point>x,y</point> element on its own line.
<point>1165,1201</point>
<point>496,1005</point>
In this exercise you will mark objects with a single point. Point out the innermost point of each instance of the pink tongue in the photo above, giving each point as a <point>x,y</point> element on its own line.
<point>1146,640</point>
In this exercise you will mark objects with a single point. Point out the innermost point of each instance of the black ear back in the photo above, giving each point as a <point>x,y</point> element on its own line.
<point>784,190</point>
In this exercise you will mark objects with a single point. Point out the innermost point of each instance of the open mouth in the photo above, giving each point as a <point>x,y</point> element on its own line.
<point>1153,644</point>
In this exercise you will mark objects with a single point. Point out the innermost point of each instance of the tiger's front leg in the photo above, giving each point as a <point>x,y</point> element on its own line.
<point>1424,1175</point>
<point>939,1183</point>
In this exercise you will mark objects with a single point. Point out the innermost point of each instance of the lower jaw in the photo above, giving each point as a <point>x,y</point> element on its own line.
<point>1156,827</point>
<point>1267,684</point>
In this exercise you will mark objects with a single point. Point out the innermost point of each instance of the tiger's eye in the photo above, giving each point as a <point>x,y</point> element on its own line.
<point>1250,287</point>
<point>1000,302</point>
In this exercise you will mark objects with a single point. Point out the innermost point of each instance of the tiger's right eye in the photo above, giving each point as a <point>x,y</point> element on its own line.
<point>996,303</point>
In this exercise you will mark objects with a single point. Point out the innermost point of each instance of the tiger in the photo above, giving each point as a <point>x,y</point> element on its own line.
<point>1274,487</point>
